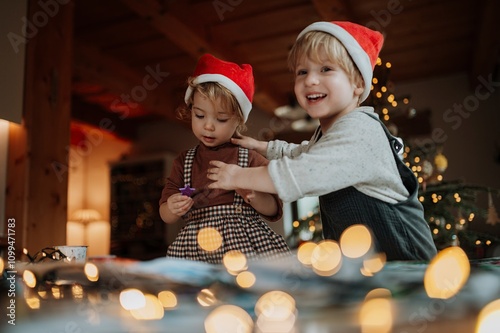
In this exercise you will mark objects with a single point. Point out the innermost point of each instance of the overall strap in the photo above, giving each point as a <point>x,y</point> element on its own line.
<point>396,145</point>
<point>188,165</point>
<point>242,162</point>
<point>407,176</point>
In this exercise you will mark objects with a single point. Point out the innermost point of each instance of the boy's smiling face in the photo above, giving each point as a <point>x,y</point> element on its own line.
<point>324,89</point>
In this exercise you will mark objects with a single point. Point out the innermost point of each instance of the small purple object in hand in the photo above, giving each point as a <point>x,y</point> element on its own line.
<point>186,190</point>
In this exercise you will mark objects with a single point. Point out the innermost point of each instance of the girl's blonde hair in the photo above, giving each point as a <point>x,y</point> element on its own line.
<point>213,91</point>
<point>311,45</point>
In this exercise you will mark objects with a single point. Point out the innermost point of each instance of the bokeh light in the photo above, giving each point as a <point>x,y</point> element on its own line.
<point>132,298</point>
<point>447,273</point>
<point>167,299</point>
<point>228,318</point>
<point>206,297</point>
<point>304,252</point>
<point>245,279</point>
<point>234,261</point>
<point>29,278</point>
<point>91,272</point>
<point>152,309</point>
<point>489,318</point>
<point>326,258</point>
<point>209,239</point>
<point>356,241</point>
<point>275,312</point>
<point>375,316</point>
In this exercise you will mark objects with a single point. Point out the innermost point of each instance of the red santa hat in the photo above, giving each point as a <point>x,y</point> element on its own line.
<point>237,79</point>
<point>362,44</point>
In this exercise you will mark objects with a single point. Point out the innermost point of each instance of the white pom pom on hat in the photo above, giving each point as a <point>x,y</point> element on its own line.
<point>362,44</point>
<point>238,79</point>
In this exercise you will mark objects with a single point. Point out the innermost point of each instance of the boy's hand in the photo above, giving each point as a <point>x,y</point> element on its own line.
<point>223,175</point>
<point>179,204</point>
<point>251,143</point>
<point>247,195</point>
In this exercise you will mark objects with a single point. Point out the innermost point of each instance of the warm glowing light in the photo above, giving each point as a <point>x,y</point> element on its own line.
<point>326,258</point>
<point>206,297</point>
<point>2,265</point>
<point>42,293</point>
<point>209,239</point>
<point>167,299</point>
<point>421,198</point>
<point>152,309</point>
<point>228,318</point>
<point>378,293</point>
<point>356,241</point>
<point>388,65</point>
<point>375,316</point>
<point>56,292</point>
<point>304,253</point>
<point>131,299</point>
<point>383,89</point>
<point>245,279</point>
<point>374,264</point>
<point>235,261</point>
<point>33,303</point>
<point>276,305</point>
<point>29,278</point>
<point>375,80</point>
<point>489,318</point>
<point>77,291</point>
<point>91,271</point>
<point>447,273</point>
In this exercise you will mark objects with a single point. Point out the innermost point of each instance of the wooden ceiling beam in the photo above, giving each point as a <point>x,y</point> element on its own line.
<point>194,45</point>
<point>336,10</point>
<point>487,49</point>
<point>106,121</point>
<point>130,86</point>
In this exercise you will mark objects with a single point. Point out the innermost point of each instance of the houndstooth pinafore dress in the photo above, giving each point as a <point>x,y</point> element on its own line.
<point>241,227</point>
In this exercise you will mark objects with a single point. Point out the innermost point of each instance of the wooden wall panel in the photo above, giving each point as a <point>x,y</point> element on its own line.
<point>38,176</point>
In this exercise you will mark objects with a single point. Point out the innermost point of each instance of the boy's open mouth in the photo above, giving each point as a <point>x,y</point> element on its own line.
<point>315,97</point>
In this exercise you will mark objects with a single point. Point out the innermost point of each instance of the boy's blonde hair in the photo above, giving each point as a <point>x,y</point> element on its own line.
<point>311,45</point>
<point>213,91</point>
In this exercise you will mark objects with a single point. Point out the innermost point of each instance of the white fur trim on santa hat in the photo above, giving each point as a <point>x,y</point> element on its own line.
<point>245,104</point>
<point>358,55</point>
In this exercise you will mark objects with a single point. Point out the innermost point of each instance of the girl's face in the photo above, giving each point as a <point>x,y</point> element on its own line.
<point>211,124</point>
<point>324,90</point>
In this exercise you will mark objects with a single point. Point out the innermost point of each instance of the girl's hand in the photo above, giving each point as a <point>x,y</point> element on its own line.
<point>179,204</point>
<point>251,143</point>
<point>223,175</point>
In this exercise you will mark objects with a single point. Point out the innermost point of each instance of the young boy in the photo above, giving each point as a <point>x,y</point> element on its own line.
<point>351,161</point>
